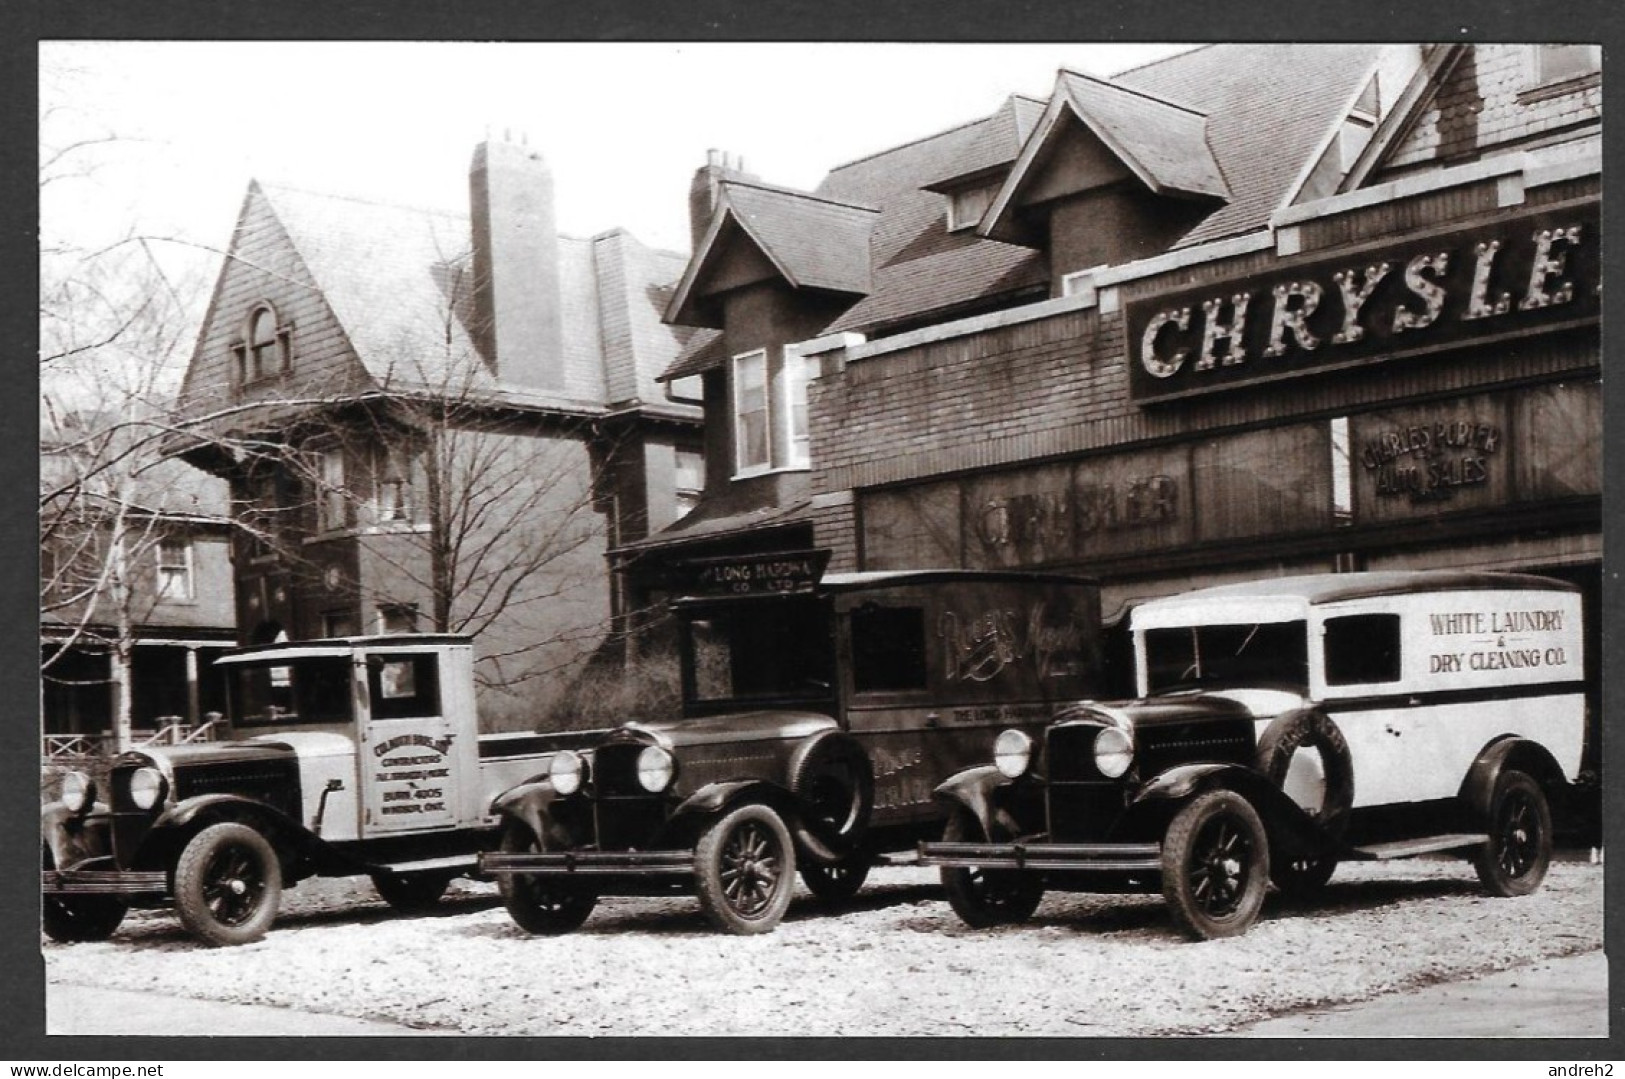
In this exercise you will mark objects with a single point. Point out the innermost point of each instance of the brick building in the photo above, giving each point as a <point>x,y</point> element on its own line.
<point>439,421</point>
<point>1248,310</point>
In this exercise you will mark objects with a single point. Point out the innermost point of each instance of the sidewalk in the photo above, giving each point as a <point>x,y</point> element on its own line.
<point>78,1010</point>
<point>1552,998</point>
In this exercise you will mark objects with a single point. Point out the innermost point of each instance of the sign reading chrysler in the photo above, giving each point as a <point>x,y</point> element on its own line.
<point>1522,275</point>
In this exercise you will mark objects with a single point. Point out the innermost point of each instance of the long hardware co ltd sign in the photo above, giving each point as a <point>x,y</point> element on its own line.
<point>1536,271</point>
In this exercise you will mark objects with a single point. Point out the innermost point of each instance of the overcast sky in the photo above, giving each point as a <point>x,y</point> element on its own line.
<point>623,126</point>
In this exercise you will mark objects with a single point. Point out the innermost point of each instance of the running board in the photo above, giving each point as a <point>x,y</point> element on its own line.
<point>462,862</point>
<point>1406,848</point>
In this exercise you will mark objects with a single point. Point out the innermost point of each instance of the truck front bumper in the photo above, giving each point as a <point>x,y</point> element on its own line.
<point>1071,857</point>
<point>644,863</point>
<point>104,882</point>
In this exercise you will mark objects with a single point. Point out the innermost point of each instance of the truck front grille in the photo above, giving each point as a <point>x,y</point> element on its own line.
<point>626,817</point>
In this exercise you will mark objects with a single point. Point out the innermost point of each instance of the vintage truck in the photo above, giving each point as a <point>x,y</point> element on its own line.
<point>819,713</point>
<point>1284,726</point>
<point>343,757</point>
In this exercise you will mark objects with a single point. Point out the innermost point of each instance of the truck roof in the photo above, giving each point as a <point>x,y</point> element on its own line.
<point>1337,587</point>
<point>341,646</point>
<point>831,583</point>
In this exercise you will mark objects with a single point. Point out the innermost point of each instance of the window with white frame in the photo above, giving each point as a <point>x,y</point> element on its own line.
<point>1560,63</point>
<point>793,380</point>
<point>689,481</point>
<point>175,577</point>
<point>391,484</point>
<point>752,435</point>
<point>332,502</point>
<point>770,410</point>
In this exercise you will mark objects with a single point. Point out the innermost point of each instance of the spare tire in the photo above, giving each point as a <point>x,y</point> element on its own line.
<point>834,785</point>
<point>1310,728</point>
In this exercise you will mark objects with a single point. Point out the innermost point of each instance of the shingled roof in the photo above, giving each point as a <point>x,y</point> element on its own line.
<point>1235,125</point>
<point>812,241</point>
<point>1270,110</point>
<point>399,280</point>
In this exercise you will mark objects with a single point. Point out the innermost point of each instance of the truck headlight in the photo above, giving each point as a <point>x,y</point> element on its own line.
<point>78,791</point>
<point>565,770</point>
<point>654,769</point>
<point>1114,751</point>
<point>146,787</point>
<point>1012,753</point>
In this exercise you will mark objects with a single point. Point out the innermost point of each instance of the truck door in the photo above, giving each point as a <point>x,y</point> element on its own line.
<point>407,764</point>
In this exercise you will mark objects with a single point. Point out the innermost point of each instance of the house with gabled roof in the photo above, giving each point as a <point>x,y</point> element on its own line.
<point>1247,310</point>
<point>441,421</point>
<point>989,216</point>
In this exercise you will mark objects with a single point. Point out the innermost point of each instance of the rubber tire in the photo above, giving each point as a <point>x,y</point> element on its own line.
<point>751,833</point>
<point>984,898</point>
<point>411,893</point>
<point>197,892</point>
<point>77,919</point>
<point>1300,878</point>
<point>834,784</point>
<point>1210,818</point>
<point>836,883</point>
<point>1314,729</point>
<point>541,905</point>
<point>1513,862</point>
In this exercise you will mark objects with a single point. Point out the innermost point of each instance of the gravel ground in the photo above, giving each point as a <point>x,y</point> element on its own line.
<point>896,961</point>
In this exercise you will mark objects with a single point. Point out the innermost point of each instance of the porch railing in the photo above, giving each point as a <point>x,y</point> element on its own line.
<point>170,731</point>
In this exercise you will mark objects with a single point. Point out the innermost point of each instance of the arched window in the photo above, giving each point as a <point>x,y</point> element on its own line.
<point>263,352</point>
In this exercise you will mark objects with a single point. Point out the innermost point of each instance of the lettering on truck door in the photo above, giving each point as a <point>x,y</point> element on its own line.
<point>407,766</point>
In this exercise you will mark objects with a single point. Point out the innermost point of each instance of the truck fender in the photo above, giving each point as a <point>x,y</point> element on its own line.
<point>1286,823</point>
<point>974,791</point>
<point>75,838</point>
<point>714,798</point>
<point>527,804</point>
<point>1508,752</point>
<point>173,828</point>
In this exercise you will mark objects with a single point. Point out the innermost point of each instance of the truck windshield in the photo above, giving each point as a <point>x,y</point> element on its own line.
<point>1246,654</point>
<point>315,690</point>
<point>759,650</point>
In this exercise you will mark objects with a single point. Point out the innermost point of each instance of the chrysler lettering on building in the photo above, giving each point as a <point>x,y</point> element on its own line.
<point>1471,286</point>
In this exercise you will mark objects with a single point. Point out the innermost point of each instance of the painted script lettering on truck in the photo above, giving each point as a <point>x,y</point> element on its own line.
<point>1495,640</point>
<point>978,647</point>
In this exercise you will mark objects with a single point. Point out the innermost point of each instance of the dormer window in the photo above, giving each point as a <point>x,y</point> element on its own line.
<point>263,352</point>
<point>967,206</point>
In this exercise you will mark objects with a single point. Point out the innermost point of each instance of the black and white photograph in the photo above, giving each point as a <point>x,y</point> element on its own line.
<point>702,539</point>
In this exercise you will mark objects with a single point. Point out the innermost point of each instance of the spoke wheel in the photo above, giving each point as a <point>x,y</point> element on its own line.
<point>228,884</point>
<point>836,883</point>
<point>1299,878</point>
<point>745,869</point>
<point>1515,858</point>
<point>542,904</point>
<point>73,919</point>
<point>986,897</point>
<point>1215,865</point>
<point>411,893</point>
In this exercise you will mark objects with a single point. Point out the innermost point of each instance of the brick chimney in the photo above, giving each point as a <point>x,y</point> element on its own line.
<point>703,189</point>
<point>518,310</point>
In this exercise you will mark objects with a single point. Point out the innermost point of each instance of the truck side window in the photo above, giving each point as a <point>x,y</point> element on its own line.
<point>888,649</point>
<point>403,687</point>
<point>1362,649</point>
